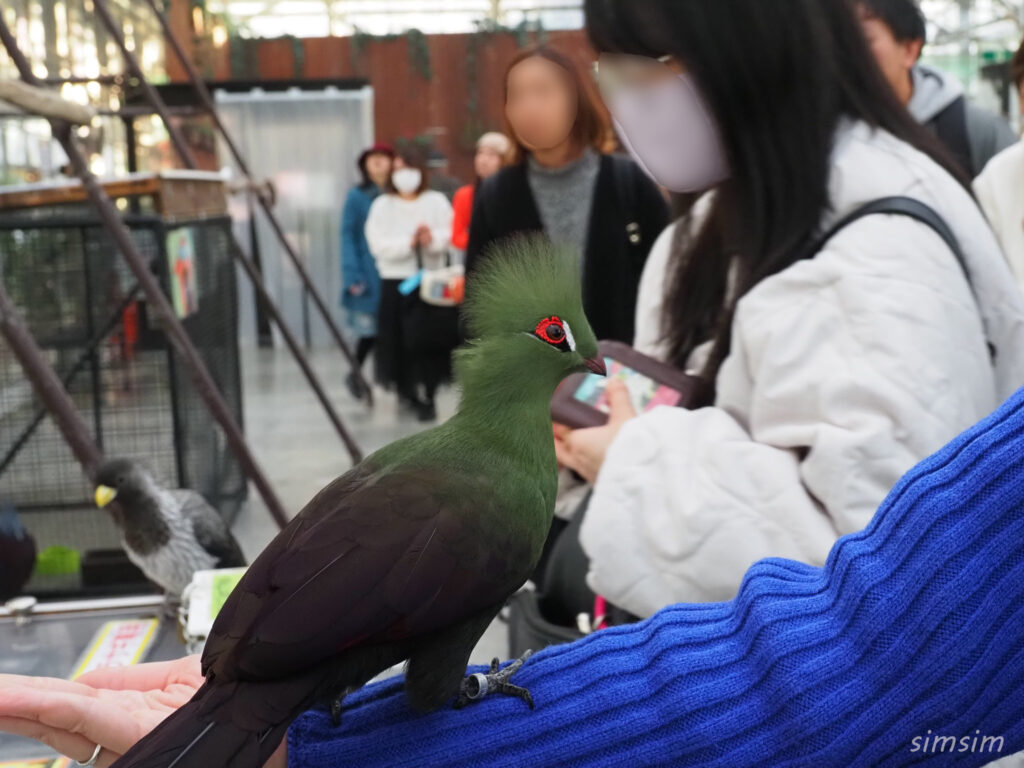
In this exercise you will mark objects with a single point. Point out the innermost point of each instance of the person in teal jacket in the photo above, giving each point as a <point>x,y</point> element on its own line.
<point>360,291</point>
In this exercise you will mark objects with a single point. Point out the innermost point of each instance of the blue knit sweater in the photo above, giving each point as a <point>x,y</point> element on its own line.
<point>912,631</point>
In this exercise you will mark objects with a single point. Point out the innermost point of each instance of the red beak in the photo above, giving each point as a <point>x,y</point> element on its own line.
<point>596,364</point>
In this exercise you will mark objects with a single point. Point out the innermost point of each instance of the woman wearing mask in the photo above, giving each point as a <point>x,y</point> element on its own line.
<point>492,152</point>
<point>911,629</point>
<point>560,183</point>
<point>832,364</point>
<point>360,291</point>
<point>407,228</point>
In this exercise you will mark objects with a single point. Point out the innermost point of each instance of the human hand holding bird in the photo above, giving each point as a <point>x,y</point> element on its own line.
<point>109,708</point>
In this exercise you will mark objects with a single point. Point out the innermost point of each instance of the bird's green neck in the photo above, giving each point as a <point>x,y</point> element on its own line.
<point>506,395</point>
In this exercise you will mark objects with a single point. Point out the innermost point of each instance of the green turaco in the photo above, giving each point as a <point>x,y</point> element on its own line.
<point>411,554</point>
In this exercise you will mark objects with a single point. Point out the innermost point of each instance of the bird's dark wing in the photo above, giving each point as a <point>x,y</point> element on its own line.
<point>209,528</point>
<point>374,557</point>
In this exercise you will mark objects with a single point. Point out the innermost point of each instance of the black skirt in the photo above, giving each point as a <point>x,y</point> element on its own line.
<point>415,342</point>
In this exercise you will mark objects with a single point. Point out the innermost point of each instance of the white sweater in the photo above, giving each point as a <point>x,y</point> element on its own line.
<point>391,224</point>
<point>1000,190</point>
<point>845,371</point>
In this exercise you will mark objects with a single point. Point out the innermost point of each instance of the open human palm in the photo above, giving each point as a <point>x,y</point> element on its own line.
<point>110,707</point>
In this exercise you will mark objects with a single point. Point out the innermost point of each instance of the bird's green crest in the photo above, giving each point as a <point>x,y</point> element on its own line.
<point>522,281</point>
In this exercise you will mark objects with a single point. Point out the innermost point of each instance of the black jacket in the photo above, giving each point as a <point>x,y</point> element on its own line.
<point>628,214</point>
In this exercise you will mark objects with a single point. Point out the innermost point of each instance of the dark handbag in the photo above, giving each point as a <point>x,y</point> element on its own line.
<point>528,629</point>
<point>547,616</point>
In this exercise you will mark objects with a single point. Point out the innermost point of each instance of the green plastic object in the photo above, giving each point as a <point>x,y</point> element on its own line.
<point>58,561</point>
<point>223,584</point>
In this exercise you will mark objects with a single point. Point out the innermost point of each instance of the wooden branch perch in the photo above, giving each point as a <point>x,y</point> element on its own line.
<point>45,103</point>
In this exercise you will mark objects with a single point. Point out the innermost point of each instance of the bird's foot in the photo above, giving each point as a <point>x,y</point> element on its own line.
<point>475,687</point>
<point>336,711</point>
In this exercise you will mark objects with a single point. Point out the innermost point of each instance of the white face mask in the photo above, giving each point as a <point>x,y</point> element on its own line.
<point>669,132</point>
<point>407,180</point>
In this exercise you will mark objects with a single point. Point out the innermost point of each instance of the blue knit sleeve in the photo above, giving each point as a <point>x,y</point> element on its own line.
<point>910,638</point>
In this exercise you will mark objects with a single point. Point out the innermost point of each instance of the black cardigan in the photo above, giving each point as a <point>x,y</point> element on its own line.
<point>628,214</point>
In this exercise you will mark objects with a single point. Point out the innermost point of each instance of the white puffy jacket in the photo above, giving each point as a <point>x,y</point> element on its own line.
<point>845,371</point>
<point>1000,190</point>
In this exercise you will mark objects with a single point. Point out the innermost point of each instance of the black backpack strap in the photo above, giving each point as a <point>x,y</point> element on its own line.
<point>898,206</point>
<point>915,209</point>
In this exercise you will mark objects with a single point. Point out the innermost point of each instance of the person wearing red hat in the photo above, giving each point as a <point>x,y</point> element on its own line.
<point>360,291</point>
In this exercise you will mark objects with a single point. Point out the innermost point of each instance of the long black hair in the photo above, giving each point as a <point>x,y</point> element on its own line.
<point>778,78</point>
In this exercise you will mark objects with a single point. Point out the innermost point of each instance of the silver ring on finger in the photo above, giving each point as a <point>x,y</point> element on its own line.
<point>92,760</point>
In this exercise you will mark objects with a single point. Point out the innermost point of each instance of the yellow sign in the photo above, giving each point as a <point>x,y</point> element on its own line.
<point>117,644</point>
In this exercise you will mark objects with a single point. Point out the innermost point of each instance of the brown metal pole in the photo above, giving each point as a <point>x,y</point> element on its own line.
<point>300,358</point>
<point>204,383</point>
<point>177,138</point>
<point>48,386</point>
<point>160,107</point>
<point>207,100</point>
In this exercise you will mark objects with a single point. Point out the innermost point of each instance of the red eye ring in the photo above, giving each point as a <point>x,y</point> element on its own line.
<point>551,330</point>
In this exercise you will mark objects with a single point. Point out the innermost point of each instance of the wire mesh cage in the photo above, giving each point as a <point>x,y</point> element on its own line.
<point>83,306</point>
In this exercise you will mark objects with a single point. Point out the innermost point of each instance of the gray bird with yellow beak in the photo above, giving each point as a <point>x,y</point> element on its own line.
<point>168,534</point>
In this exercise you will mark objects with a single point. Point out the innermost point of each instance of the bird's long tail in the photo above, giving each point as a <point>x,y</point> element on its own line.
<point>207,733</point>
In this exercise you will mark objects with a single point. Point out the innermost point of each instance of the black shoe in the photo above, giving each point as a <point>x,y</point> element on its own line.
<point>426,412</point>
<point>355,386</point>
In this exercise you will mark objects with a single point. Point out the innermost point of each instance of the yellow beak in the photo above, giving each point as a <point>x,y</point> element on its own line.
<point>104,495</point>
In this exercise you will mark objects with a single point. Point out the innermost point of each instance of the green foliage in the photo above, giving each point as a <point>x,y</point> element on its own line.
<point>473,126</point>
<point>298,56</point>
<point>243,56</point>
<point>419,54</point>
<point>358,44</point>
<point>419,50</point>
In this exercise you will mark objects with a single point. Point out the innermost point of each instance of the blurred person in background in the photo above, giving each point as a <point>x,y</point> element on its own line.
<point>896,32</point>
<point>360,281</point>
<point>441,179</point>
<point>1000,188</point>
<point>831,366</point>
<point>408,228</point>
<point>492,154</point>
<point>562,184</point>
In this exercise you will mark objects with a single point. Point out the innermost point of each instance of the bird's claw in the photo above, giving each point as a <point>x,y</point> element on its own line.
<point>476,687</point>
<point>336,712</point>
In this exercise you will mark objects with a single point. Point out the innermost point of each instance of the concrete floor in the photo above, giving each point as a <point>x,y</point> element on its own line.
<point>300,452</point>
